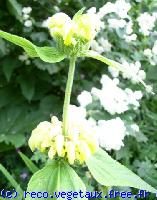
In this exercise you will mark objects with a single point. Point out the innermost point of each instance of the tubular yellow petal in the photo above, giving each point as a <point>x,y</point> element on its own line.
<point>84,150</point>
<point>59,142</point>
<point>52,152</point>
<point>70,149</point>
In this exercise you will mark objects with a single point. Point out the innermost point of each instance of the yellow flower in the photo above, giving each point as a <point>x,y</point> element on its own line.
<point>70,149</point>
<point>56,127</point>
<point>51,152</point>
<point>59,144</point>
<point>59,25</point>
<point>79,143</point>
<point>40,136</point>
<point>83,150</point>
<point>82,28</point>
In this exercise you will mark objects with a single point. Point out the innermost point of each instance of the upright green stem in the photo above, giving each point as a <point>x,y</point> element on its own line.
<point>68,94</point>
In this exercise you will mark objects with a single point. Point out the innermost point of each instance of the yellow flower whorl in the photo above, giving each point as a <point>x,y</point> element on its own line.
<point>78,144</point>
<point>72,31</point>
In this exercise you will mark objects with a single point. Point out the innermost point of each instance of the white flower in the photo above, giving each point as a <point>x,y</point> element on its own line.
<point>138,95</point>
<point>107,8</point>
<point>122,8</point>
<point>25,16</point>
<point>84,98</point>
<point>76,113</point>
<point>148,53</point>
<point>111,133</point>
<point>133,71</point>
<point>133,97</point>
<point>155,15</point>
<point>26,10</point>
<point>28,62</point>
<point>129,28</point>
<point>135,127</point>
<point>95,46</point>
<point>23,57</point>
<point>154,49</point>
<point>130,38</point>
<point>114,72</point>
<point>105,44</point>
<point>116,23</point>
<point>28,23</point>
<point>146,23</point>
<point>117,101</point>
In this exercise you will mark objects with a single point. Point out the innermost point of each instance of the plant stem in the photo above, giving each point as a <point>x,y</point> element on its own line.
<point>68,94</point>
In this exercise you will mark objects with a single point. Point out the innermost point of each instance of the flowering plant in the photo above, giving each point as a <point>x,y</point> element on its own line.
<point>72,140</point>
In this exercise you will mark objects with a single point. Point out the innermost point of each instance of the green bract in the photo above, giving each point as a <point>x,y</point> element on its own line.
<point>73,39</point>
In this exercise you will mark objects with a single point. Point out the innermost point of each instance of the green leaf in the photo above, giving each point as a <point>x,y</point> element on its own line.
<point>57,176</point>
<point>97,56</point>
<point>47,54</point>
<point>27,85</point>
<point>31,166</point>
<point>9,65</point>
<point>20,41</point>
<point>15,9</point>
<point>11,180</point>
<point>109,172</point>
<point>79,13</point>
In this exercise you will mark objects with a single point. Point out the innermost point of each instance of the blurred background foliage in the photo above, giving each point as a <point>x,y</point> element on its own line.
<point>31,90</point>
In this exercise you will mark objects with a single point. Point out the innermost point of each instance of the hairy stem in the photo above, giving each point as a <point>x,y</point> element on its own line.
<point>68,94</point>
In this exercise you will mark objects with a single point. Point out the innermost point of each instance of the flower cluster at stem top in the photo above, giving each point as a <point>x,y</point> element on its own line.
<point>79,143</point>
<point>74,33</point>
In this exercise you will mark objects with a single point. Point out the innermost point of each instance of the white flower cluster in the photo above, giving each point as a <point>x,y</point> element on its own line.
<point>111,133</point>
<point>120,7</point>
<point>112,97</point>
<point>101,45</point>
<point>133,71</point>
<point>24,58</point>
<point>151,54</point>
<point>26,16</point>
<point>146,23</point>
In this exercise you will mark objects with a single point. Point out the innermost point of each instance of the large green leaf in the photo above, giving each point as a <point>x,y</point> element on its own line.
<point>109,172</point>
<point>20,41</point>
<point>47,54</point>
<point>55,177</point>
